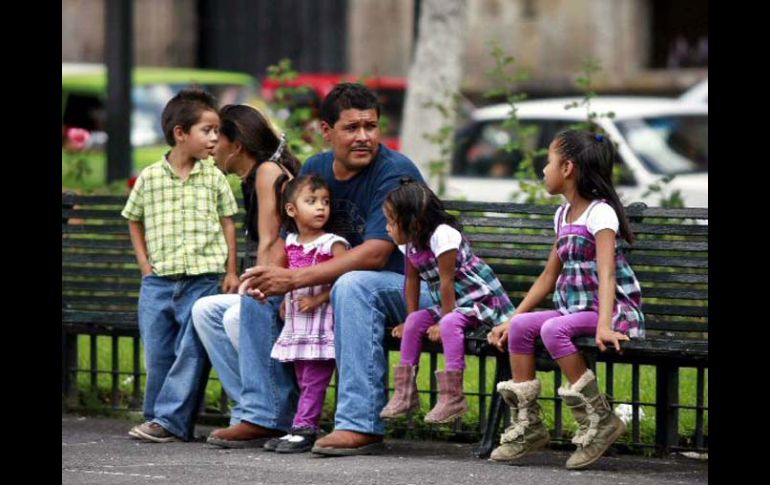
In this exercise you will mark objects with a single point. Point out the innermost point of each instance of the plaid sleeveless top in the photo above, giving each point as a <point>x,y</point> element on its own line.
<point>478,292</point>
<point>577,288</point>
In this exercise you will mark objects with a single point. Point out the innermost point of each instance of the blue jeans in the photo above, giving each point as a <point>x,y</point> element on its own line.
<point>364,302</point>
<point>175,360</point>
<point>215,319</point>
<point>264,390</point>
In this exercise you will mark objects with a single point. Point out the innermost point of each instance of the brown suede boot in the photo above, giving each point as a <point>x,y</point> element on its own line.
<point>527,432</point>
<point>451,400</point>
<point>598,425</point>
<point>405,398</point>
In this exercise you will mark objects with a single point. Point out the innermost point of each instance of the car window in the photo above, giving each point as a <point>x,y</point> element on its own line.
<point>669,145</point>
<point>481,150</point>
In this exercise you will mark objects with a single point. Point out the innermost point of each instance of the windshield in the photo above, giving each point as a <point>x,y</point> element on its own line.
<point>669,145</point>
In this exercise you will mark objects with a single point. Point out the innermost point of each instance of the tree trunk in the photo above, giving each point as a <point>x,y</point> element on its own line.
<point>434,77</point>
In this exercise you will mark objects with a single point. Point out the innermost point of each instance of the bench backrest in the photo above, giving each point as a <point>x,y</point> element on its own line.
<point>669,257</point>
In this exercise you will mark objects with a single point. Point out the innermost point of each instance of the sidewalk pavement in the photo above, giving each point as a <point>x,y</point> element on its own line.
<point>97,450</point>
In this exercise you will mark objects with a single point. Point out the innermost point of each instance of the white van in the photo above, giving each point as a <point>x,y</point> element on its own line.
<point>655,137</point>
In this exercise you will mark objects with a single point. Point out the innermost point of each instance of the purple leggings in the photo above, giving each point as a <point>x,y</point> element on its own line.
<point>452,337</point>
<point>313,377</point>
<point>556,330</point>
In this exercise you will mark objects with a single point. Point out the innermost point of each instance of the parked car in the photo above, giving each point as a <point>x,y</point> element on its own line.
<point>655,137</point>
<point>84,91</point>
<point>699,93</point>
<point>391,92</point>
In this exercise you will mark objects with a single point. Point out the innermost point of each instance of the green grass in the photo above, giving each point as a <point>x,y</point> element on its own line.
<point>101,396</point>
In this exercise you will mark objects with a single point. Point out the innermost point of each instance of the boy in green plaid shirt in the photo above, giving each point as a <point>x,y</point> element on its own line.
<point>180,221</point>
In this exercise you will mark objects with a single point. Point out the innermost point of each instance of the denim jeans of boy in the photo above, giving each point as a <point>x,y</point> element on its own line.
<point>175,360</point>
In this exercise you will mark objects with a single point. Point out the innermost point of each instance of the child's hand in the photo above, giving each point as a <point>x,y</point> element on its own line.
<point>231,283</point>
<point>398,331</point>
<point>499,336</point>
<point>434,333</point>
<point>282,310</point>
<point>307,303</point>
<point>604,336</point>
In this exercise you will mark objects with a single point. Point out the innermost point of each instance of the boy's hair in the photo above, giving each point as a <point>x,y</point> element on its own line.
<point>347,96</point>
<point>185,109</point>
<point>245,124</point>
<point>594,155</point>
<point>286,192</point>
<point>418,212</point>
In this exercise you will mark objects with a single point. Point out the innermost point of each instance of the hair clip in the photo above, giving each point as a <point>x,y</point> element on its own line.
<point>406,180</point>
<point>599,137</point>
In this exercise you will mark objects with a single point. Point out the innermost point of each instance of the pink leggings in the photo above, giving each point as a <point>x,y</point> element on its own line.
<point>313,377</point>
<point>556,330</point>
<point>452,337</point>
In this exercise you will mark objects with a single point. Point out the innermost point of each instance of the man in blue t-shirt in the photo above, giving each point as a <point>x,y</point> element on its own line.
<point>367,293</point>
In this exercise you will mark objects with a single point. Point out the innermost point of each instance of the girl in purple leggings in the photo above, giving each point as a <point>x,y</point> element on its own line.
<point>464,290</point>
<point>595,293</point>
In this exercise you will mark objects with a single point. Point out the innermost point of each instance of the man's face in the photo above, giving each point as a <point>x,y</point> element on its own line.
<point>354,138</point>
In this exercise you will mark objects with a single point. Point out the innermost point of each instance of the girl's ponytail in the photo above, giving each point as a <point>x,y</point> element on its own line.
<point>280,201</point>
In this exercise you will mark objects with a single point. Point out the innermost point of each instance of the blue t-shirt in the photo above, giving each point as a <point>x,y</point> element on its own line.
<point>356,212</point>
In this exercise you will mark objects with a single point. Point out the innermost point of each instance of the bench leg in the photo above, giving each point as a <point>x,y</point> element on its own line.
<point>69,382</point>
<point>496,409</point>
<point>666,416</point>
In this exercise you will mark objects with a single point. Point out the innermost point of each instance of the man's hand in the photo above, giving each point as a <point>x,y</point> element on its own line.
<point>262,281</point>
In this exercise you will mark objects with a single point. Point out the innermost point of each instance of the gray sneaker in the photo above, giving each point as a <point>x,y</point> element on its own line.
<point>152,431</point>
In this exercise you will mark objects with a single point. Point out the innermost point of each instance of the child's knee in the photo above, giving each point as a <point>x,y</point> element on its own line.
<point>552,333</point>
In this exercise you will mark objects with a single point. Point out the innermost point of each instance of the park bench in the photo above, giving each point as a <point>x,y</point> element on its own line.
<point>100,284</point>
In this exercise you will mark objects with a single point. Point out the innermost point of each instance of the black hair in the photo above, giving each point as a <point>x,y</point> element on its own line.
<point>594,155</point>
<point>418,212</point>
<point>286,192</point>
<point>347,96</point>
<point>184,110</point>
<point>245,124</point>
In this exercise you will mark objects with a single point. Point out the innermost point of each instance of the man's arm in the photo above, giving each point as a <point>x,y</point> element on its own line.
<point>373,255</point>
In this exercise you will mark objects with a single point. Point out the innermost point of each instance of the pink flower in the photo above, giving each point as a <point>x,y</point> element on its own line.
<point>78,138</point>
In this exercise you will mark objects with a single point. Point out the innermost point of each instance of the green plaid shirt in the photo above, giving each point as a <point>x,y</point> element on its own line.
<point>182,219</point>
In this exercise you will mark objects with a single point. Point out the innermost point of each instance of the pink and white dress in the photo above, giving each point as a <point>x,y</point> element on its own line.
<point>307,335</point>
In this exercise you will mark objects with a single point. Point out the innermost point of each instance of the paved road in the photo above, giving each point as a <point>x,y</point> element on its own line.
<point>98,451</point>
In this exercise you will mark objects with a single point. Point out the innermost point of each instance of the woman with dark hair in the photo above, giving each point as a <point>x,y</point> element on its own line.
<point>248,147</point>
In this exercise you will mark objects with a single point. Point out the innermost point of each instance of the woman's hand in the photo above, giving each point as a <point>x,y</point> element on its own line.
<point>398,331</point>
